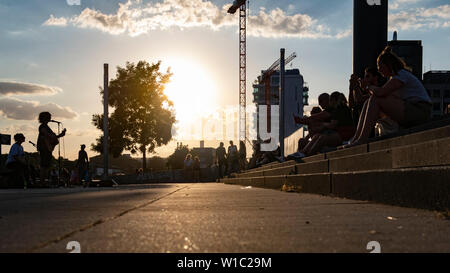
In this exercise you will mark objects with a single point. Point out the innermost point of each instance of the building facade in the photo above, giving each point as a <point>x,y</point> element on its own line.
<point>296,97</point>
<point>411,52</point>
<point>437,84</point>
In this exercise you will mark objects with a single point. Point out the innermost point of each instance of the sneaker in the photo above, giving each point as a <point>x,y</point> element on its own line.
<point>280,159</point>
<point>297,155</point>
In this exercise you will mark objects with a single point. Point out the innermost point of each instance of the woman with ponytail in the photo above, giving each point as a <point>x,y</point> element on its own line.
<point>403,98</point>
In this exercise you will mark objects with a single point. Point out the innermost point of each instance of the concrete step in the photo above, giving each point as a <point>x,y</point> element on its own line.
<point>427,154</point>
<point>273,165</point>
<point>280,171</point>
<point>410,139</point>
<point>362,162</point>
<point>392,143</point>
<point>426,188</point>
<point>314,158</point>
<point>312,167</point>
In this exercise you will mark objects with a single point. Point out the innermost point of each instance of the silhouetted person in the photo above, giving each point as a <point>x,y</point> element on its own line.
<point>233,158</point>
<point>311,131</point>
<point>16,159</point>
<point>358,95</point>
<point>221,157</point>
<point>47,141</point>
<point>324,101</point>
<point>403,98</point>
<point>197,168</point>
<point>83,165</point>
<point>335,132</point>
<point>188,167</point>
<point>242,156</point>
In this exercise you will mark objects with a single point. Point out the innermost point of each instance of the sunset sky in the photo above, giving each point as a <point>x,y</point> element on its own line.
<point>52,53</point>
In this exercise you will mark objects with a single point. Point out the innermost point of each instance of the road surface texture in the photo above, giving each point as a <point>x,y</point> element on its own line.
<point>204,218</point>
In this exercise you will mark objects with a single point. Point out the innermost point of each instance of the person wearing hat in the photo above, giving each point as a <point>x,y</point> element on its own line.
<point>83,164</point>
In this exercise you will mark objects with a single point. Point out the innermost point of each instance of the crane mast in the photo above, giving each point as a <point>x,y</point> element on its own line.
<point>242,7</point>
<point>243,72</point>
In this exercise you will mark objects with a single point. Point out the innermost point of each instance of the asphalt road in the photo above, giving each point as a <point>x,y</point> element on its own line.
<point>204,218</point>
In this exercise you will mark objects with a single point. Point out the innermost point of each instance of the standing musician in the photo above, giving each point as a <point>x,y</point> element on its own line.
<point>47,141</point>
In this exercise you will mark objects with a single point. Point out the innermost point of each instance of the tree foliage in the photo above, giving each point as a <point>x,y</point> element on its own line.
<point>176,160</point>
<point>143,115</point>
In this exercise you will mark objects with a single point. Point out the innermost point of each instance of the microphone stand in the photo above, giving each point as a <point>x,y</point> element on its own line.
<point>59,158</point>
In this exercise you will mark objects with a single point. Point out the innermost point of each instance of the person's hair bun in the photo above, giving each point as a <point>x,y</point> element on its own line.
<point>387,49</point>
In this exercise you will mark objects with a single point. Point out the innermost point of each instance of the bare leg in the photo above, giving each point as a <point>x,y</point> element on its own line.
<point>362,117</point>
<point>302,143</point>
<point>391,106</point>
<point>321,141</point>
<point>311,144</point>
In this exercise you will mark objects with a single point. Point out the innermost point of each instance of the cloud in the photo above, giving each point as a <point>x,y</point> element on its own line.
<point>135,18</point>
<point>18,88</point>
<point>420,18</point>
<point>25,129</point>
<point>401,3</point>
<point>16,109</point>
<point>53,21</point>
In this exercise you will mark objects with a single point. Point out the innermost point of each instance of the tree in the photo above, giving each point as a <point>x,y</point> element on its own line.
<point>143,115</point>
<point>176,160</point>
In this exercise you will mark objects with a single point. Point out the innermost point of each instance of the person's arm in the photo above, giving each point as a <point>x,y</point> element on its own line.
<point>390,87</point>
<point>331,125</point>
<point>62,134</point>
<point>352,90</point>
<point>322,116</point>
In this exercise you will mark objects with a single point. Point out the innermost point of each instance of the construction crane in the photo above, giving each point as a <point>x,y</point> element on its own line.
<point>266,76</point>
<point>242,7</point>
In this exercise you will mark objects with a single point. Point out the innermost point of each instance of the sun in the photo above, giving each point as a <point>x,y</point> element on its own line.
<point>192,90</point>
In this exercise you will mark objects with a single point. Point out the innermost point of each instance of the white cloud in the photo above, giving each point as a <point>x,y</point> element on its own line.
<point>420,18</point>
<point>14,129</point>
<point>17,109</point>
<point>401,3</point>
<point>53,21</point>
<point>19,88</point>
<point>135,18</point>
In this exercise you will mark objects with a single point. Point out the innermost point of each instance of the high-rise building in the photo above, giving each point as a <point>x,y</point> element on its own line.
<point>370,33</point>
<point>296,97</point>
<point>411,52</point>
<point>437,84</point>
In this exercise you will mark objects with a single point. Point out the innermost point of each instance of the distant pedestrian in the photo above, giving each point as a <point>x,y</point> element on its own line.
<point>242,156</point>
<point>188,167</point>
<point>221,157</point>
<point>233,158</point>
<point>83,165</point>
<point>197,168</point>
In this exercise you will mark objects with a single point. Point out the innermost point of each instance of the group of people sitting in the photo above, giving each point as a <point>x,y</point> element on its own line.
<point>390,92</point>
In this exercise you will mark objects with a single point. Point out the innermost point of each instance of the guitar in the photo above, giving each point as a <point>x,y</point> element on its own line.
<point>51,140</point>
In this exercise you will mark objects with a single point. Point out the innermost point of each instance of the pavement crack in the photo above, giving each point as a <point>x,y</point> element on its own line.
<point>101,221</point>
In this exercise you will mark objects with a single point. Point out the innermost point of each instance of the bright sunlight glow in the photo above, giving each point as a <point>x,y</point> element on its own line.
<point>192,90</point>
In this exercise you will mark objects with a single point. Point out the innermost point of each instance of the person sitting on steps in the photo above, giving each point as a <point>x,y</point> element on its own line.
<point>403,98</point>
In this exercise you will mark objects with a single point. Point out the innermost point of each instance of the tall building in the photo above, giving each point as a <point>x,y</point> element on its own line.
<point>437,84</point>
<point>296,97</point>
<point>370,33</point>
<point>411,52</point>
